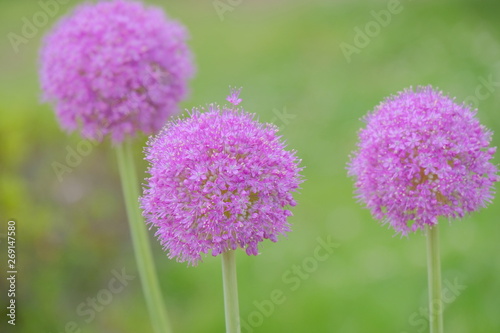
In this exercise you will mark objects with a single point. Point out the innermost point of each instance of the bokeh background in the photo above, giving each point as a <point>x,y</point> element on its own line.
<point>73,233</point>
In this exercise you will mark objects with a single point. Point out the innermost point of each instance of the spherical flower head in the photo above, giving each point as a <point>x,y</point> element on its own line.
<point>115,67</point>
<point>220,180</point>
<point>422,156</point>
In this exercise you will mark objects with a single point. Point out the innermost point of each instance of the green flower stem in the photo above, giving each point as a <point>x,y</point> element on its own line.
<point>140,240</point>
<point>231,306</point>
<point>434,280</point>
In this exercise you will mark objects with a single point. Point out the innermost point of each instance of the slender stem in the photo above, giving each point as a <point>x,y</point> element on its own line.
<point>140,240</point>
<point>434,280</point>
<point>231,306</point>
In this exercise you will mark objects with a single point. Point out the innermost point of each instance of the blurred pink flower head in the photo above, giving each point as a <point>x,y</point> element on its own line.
<point>422,156</point>
<point>219,180</point>
<point>115,67</point>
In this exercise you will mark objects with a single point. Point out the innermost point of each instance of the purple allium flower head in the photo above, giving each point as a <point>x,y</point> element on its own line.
<point>115,67</point>
<point>219,180</point>
<point>422,156</point>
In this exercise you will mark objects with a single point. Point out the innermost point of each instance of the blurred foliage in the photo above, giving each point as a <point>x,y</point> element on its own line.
<point>72,233</point>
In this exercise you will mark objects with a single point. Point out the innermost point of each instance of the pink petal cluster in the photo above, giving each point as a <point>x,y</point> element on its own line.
<point>115,67</point>
<point>219,180</point>
<point>422,156</point>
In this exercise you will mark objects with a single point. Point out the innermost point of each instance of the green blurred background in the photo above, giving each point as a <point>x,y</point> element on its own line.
<point>73,233</point>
